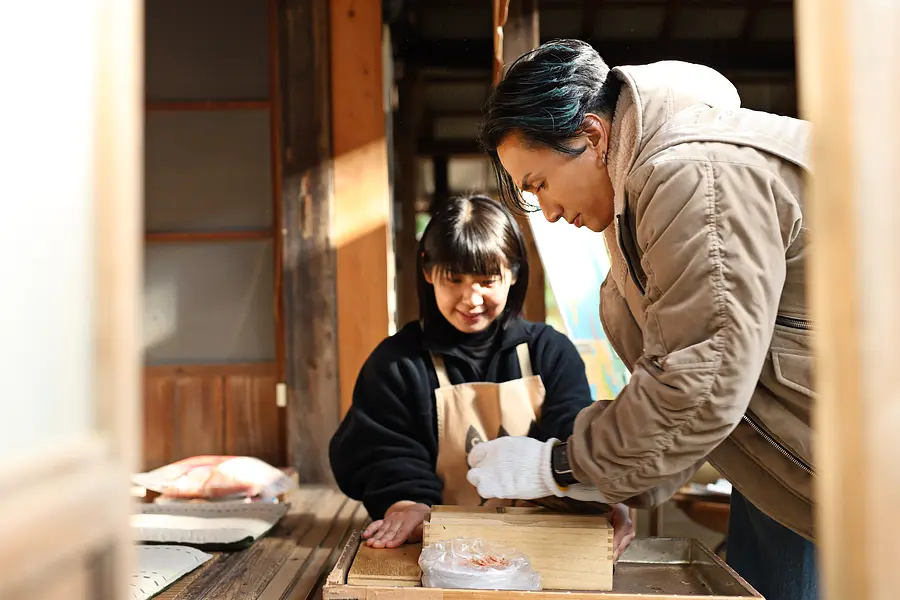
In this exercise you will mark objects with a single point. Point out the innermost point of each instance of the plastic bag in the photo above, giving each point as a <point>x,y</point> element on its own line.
<point>466,563</point>
<point>216,477</point>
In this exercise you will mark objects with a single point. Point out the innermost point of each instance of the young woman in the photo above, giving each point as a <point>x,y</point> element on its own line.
<point>468,371</point>
<point>702,206</point>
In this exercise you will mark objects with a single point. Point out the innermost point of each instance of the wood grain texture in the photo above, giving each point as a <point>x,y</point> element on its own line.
<point>386,566</point>
<point>309,270</point>
<point>212,409</point>
<point>253,422</point>
<point>362,215</point>
<point>198,408</point>
<point>571,552</point>
<point>843,48</point>
<point>272,567</point>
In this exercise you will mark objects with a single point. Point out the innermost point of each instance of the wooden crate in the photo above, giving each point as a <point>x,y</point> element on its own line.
<point>651,569</point>
<point>571,552</point>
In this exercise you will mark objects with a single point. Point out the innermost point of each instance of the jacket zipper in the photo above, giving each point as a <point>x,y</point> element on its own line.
<point>794,323</point>
<point>786,452</point>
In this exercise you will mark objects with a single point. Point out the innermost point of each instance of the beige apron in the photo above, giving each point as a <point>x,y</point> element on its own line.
<point>471,413</point>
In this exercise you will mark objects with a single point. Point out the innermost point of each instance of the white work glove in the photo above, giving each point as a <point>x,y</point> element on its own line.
<point>513,468</point>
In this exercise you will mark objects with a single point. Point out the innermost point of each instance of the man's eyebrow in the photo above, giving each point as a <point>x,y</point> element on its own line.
<point>525,185</point>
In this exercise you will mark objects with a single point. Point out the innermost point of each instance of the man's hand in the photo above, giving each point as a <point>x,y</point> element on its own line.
<point>513,468</point>
<point>401,523</point>
<point>623,529</point>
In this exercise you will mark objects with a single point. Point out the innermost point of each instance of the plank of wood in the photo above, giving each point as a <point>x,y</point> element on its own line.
<point>571,552</point>
<point>157,421</point>
<point>362,201</point>
<point>386,566</point>
<point>252,418</point>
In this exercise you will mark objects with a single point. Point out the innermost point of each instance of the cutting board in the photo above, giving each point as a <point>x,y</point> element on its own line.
<point>570,551</point>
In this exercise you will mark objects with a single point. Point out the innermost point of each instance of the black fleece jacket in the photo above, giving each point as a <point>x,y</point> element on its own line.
<point>385,450</point>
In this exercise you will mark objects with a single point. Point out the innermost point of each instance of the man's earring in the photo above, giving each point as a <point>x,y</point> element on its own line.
<point>603,157</point>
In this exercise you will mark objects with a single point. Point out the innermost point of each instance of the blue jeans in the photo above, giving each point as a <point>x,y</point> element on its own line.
<point>779,563</point>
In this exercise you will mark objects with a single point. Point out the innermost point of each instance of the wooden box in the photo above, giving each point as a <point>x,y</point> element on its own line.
<point>651,569</point>
<point>571,552</point>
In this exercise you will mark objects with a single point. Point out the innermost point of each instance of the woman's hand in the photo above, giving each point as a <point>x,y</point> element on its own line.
<point>623,529</point>
<point>401,523</point>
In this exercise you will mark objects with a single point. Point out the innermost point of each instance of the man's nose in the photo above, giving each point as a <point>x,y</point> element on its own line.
<point>552,212</point>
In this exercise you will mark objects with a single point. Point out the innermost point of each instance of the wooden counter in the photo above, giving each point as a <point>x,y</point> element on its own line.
<point>289,563</point>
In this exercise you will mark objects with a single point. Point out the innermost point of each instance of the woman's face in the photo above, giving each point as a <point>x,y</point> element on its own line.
<point>574,188</point>
<point>470,302</point>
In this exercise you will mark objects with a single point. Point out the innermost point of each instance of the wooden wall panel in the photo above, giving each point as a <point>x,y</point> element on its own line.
<point>199,415</point>
<point>362,216</point>
<point>253,423</point>
<point>212,409</point>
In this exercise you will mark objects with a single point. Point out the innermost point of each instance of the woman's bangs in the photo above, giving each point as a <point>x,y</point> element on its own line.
<point>462,255</point>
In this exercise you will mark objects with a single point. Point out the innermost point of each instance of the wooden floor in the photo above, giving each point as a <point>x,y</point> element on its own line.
<point>290,563</point>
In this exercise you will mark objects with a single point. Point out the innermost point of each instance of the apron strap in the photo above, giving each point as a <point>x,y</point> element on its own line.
<point>440,370</point>
<point>524,360</point>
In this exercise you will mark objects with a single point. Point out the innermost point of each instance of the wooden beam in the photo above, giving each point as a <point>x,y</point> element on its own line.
<point>363,231</point>
<point>520,34</point>
<point>406,129</point>
<point>589,11</point>
<point>720,54</point>
<point>276,157</point>
<point>754,8</point>
<point>310,316</point>
<point>669,19</point>
<point>847,47</point>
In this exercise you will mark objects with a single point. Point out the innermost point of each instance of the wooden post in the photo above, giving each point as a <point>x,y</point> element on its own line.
<point>849,58</point>
<point>516,31</point>
<point>310,302</point>
<point>362,216</point>
<point>406,131</point>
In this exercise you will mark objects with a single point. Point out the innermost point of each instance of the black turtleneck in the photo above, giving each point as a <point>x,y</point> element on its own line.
<point>385,450</point>
<point>475,348</point>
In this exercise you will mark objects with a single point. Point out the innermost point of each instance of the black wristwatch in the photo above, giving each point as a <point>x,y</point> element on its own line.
<point>559,464</point>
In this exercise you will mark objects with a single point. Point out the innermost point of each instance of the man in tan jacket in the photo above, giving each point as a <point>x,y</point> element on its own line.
<point>701,206</point>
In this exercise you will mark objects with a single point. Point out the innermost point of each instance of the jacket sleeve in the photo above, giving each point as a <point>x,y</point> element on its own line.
<point>380,453</point>
<point>567,390</point>
<point>713,253</point>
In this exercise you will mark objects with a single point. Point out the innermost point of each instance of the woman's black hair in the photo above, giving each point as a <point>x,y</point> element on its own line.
<point>544,97</point>
<point>472,235</point>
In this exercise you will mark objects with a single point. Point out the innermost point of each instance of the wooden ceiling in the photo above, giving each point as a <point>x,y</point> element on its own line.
<point>448,43</point>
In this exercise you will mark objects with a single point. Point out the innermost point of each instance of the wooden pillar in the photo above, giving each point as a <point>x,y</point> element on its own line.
<point>440,164</point>
<point>362,217</point>
<point>516,32</point>
<point>309,283</point>
<point>849,58</point>
<point>406,134</point>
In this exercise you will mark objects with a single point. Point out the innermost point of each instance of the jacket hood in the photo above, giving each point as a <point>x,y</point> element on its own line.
<point>652,94</point>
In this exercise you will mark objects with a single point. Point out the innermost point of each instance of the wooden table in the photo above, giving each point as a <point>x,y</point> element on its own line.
<point>289,563</point>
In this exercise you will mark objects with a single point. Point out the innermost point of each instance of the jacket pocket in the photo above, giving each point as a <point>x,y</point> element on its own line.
<point>782,406</point>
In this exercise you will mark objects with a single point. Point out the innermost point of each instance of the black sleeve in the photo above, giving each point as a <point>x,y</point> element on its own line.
<point>380,453</point>
<point>560,366</point>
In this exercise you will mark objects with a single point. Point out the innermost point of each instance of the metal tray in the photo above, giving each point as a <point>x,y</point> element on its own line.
<point>651,569</point>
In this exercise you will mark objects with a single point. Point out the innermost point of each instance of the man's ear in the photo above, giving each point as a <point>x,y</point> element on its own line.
<point>597,131</point>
